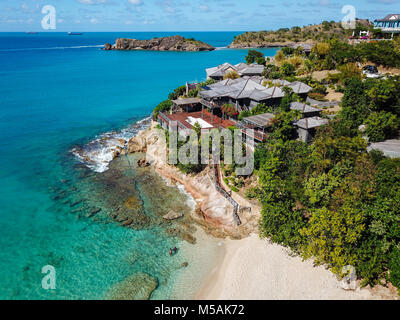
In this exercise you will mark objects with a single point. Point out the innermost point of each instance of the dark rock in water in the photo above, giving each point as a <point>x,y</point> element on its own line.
<point>108,47</point>
<point>121,219</point>
<point>181,234</point>
<point>114,216</point>
<point>126,223</point>
<point>185,265</point>
<point>74,204</point>
<point>93,212</point>
<point>139,286</point>
<point>77,210</point>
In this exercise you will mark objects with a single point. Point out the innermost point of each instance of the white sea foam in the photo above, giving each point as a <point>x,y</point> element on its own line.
<point>98,153</point>
<point>190,200</point>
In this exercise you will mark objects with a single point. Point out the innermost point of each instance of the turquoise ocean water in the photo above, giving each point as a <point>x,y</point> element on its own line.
<point>59,92</point>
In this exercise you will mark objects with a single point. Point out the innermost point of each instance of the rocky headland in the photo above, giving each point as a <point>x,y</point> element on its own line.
<point>174,43</point>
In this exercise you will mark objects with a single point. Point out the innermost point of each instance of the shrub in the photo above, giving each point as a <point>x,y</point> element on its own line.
<point>252,56</point>
<point>287,69</point>
<point>394,266</point>
<point>317,96</point>
<point>231,75</point>
<point>323,48</point>
<point>163,106</point>
<point>177,93</point>
<point>381,125</point>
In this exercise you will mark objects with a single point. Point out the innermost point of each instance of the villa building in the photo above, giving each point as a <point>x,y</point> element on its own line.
<point>247,92</point>
<point>209,110</point>
<point>306,127</point>
<point>389,24</point>
<point>306,110</point>
<point>242,69</point>
<point>260,124</point>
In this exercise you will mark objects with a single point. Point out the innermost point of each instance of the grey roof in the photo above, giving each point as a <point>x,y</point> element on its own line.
<point>220,70</point>
<point>275,92</point>
<point>260,120</point>
<point>310,123</point>
<point>281,82</point>
<point>299,87</point>
<point>303,108</point>
<point>242,69</point>
<point>236,89</point>
<point>182,102</point>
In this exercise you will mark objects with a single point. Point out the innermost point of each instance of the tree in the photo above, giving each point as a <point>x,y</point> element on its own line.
<point>252,55</point>
<point>354,103</point>
<point>381,125</point>
<point>162,107</point>
<point>333,236</point>
<point>287,69</point>
<point>180,91</point>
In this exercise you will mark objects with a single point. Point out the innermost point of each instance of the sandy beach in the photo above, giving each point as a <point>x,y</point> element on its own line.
<point>254,269</point>
<point>250,268</point>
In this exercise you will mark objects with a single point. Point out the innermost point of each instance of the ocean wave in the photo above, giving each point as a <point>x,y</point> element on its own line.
<point>52,48</point>
<point>98,153</point>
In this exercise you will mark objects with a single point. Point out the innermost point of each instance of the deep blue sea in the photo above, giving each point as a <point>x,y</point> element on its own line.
<point>59,92</point>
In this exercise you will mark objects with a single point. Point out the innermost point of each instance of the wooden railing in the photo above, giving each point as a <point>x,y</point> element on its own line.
<point>209,104</point>
<point>259,135</point>
<point>226,195</point>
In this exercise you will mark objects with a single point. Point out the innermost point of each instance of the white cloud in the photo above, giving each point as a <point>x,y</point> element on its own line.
<point>94,21</point>
<point>136,2</point>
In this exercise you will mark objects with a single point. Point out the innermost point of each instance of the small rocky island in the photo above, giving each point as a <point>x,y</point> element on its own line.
<point>174,43</point>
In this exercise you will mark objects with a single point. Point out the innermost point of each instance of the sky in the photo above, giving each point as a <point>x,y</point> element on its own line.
<point>183,15</point>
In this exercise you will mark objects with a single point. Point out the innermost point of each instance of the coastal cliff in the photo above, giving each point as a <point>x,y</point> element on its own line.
<point>174,43</point>
<point>213,212</point>
<point>286,37</point>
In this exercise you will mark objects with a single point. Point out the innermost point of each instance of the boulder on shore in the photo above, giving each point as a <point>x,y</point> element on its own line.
<point>172,215</point>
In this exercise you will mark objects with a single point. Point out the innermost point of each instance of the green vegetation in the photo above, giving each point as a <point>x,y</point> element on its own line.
<point>315,33</point>
<point>331,200</point>
<point>162,107</point>
<point>231,75</point>
<point>255,56</point>
<point>375,103</point>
